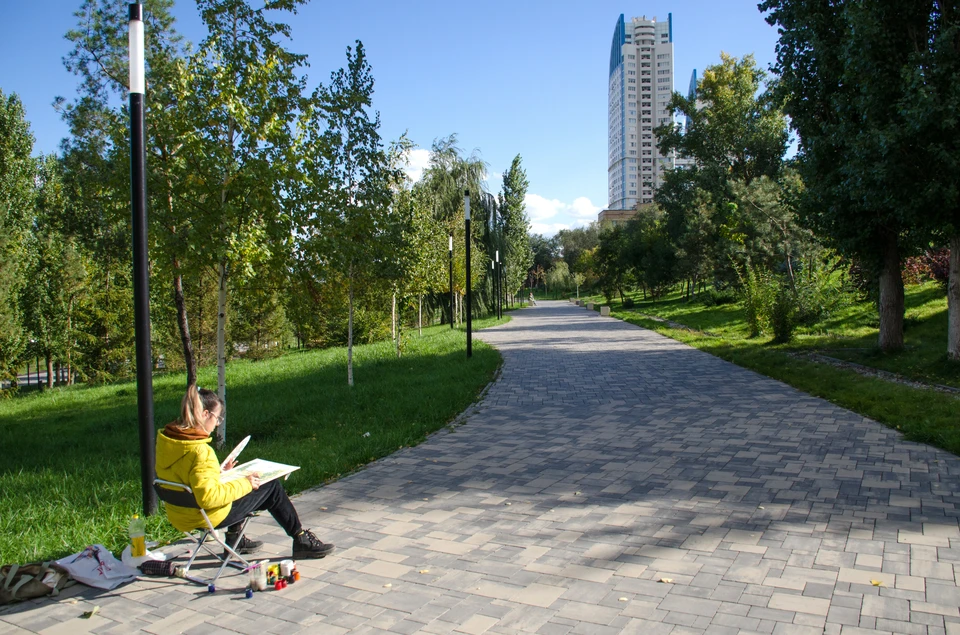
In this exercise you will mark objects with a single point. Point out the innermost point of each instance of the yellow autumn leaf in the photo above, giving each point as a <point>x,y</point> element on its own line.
<point>876,582</point>
<point>666,580</point>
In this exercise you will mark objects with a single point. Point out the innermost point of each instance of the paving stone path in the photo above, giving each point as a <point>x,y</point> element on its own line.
<point>611,481</point>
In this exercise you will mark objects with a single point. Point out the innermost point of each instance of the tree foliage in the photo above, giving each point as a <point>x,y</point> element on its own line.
<point>846,70</point>
<point>516,226</point>
<point>17,170</point>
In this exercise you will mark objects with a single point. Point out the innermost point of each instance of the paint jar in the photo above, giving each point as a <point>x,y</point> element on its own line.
<point>286,567</point>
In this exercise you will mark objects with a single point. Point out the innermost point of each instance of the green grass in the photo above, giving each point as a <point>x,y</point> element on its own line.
<point>851,334</point>
<point>71,472</point>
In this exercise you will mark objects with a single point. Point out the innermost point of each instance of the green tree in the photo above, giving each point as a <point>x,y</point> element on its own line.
<point>648,252</point>
<point>929,102</point>
<point>610,261</point>
<point>571,242</point>
<point>736,133</point>
<point>845,69</point>
<point>516,225</point>
<point>425,256</point>
<point>17,170</point>
<point>736,130</point>
<point>558,276</point>
<point>348,226</point>
<point>544,250</point>
<point>96,159</point>
<point>690,221</point>
<point>244,97</point>
<point>448,174</point>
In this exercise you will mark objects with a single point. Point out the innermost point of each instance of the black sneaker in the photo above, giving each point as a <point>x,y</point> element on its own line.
<point>247,545</point>
<point>306,546</point>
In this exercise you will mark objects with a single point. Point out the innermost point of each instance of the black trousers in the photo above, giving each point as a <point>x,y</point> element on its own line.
<point>269,497</point>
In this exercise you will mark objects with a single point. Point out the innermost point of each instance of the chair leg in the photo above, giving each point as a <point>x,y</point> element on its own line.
<point>231,554</point>
<point>231,558</point>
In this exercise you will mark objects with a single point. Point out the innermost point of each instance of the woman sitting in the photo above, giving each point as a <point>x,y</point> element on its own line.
<point>184,456</point>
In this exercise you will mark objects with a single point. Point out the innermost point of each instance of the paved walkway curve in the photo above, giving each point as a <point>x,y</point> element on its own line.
<point>612,480</point>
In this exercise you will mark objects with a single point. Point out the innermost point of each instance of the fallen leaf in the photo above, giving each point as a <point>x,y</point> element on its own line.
<point>424,570</point>
<point>387,585</point>
<point>623,599</point>
<point>876,582</point>
<point>88,614</point>
<point>666,580</point>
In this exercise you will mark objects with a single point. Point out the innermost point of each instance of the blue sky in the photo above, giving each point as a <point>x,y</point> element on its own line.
<point>524,77</point>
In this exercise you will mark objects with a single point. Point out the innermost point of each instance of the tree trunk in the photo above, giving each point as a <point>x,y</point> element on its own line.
<point>350,329</point>
<point>419,315</point>
<point>222,354</point>
<point>188,357</point>
<point>953,301</point>
<point>49,371</point>
<point>70,343</point>
<point>891,296</point>
<point>393,317</point>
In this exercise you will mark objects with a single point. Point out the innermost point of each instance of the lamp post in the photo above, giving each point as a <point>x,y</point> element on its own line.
<point>493,284</point>
<point>496,284</point>
<point>141,282</point>
<point>450,250</point>
<point>466,225</point>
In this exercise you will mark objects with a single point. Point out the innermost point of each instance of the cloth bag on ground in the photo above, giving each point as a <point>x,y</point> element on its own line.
<point>22,582</point>
<point>97,567</point>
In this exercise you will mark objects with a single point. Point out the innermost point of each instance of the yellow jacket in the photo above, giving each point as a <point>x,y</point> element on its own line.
<point>194,463</point>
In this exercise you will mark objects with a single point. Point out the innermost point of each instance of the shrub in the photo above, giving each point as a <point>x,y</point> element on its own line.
<point>821,290</point>
<point>757,292</point>
<point>628,303</point>
<point>783,313</point>
<point>713,297</point>
<point>938,263</point>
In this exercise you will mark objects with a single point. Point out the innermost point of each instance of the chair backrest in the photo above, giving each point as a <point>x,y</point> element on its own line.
<point>175,493</point>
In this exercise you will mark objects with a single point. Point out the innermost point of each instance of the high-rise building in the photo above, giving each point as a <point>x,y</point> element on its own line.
<point>641,84</point>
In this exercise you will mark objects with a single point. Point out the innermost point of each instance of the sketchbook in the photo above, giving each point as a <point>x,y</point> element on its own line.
<point>268,470</point>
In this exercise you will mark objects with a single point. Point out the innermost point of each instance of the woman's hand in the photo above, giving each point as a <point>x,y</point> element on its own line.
<point>254,480</point>
<point>229,466</point>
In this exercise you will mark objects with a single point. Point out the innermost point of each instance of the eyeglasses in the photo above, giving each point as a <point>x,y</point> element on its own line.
<point>220,417</point>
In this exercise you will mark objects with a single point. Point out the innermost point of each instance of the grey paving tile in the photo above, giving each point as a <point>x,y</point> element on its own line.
<point>610,479</point>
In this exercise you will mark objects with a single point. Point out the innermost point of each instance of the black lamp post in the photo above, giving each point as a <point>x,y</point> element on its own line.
<point>141,282</point>
<point>466,225</point>
<point>498,286</point>
<point>450,249</point>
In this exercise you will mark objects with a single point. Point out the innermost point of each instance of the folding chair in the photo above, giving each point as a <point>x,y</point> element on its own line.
<point>182,496</point>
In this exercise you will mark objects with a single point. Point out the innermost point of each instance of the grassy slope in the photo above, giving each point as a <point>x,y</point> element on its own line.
<point>851,334</point>
<point>71,472</point>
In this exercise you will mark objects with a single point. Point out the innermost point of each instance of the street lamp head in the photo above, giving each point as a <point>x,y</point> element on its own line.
<point>450,245</point>
<point>466,204</point>
<point>137,71</point>
<point>498,255</point>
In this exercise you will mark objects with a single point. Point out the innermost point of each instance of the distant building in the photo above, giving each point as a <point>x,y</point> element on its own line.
<point>682,161</point>
<point>692,91</point>
<point>616,216</point>
<point>640,87</point>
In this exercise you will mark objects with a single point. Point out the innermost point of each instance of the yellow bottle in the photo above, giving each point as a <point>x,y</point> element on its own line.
<point>138,537</point>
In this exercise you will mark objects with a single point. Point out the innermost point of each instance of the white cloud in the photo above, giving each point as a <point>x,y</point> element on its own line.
<point>583,208</point>
<point>548,216</point>
<point>417,160</point>
<point>494,182</point>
